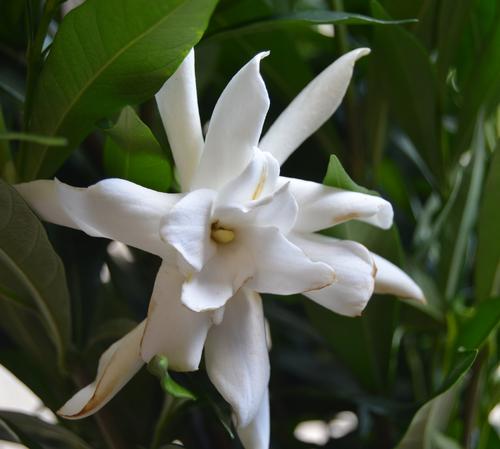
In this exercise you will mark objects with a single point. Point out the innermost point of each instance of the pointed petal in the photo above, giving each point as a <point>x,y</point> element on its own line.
<point>236,355</point>
<point>257,180</point>
<point>116,367</point>
<point>257,433</point>
<point>113,208</point>
<point>353,266</point>
<point>187,227</point>
<point>392,280</point>
<point>322,207</point>
<point>282,268</point>
<point>311,108</point>
<point>235,128</point>
<point>171,328</point>
<point>178,105</point>
<point>219,279</point>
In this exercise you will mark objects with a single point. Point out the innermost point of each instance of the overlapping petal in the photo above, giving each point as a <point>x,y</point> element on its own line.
<point>112,208</point>
<point>116,367</point>
<point>392,280</point>
<point>178,105</point>
<point>171,328</point>
<point>236,355</point>
<point>256,434</point>
<point>322,207</point>
<point>311,108</point>
<point>234,128</point>
<point>354,268</point>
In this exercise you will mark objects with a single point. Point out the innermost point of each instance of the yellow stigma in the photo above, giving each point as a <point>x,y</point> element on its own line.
<point>221,235</point>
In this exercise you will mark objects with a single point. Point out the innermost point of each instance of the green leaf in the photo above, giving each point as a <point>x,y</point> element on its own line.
<point>10,432</point>
<point>336,176</point>
<point>34,138</point>
<point>133,153</point>
<point>307,18</point>
<point>158,366</point>
<point>94,69</point>
<point>408,81</point>
<point>31,269</point>
<point>476,328</point>
<point>487,273</point>
<point>40,434</point>
<point>433,416</point>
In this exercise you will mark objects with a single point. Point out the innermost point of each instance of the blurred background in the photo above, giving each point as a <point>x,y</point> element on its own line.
<point>420,124</point>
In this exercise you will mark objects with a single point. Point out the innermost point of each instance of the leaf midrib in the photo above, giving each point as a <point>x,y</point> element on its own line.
<point>99,72</point>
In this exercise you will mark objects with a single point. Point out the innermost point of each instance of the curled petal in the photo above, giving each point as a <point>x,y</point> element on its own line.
<point>236,355</point>
<point>281,267</point>
<point>116,367</point>
<point>235,128</point>
<point>392,280</point>
<point>322,207</point>
<point>178,105</point>
<point>353,267</point>
<point>113,208</point>
<point>311,108</point>
<point>171,328</point>
<point>256,434</point>
<point>186,227</point>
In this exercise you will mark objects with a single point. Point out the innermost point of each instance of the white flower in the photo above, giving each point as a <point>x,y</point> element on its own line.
<point>237,229</point>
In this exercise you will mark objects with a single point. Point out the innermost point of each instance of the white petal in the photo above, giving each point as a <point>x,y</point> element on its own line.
<point>257,180</point>
<point>256,434</point>
<point>116,367</point>
<point>322,207</point>
<point>187,227</point>
<point>113,208</point>
<point>178,105</point>
<point>235,128</point>
<point>281,267</point>
<point>236,355</point>
<point>171,328</point>
<point>392,280</point>
<point>278,209</point>
<point>219,279</point>
<point>353,266</point>
<point>311,108</point>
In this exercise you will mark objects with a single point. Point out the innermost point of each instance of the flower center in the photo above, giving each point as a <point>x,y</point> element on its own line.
<point>220,234</point>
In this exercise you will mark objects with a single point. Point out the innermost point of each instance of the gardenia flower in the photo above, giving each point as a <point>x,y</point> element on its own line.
<point>237,230</point>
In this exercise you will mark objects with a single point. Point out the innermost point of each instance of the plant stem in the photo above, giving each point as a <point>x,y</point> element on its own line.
<point>170,406</point>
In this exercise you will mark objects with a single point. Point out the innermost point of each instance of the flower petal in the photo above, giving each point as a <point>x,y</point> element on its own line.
<point>187,227</point>
<point>171,328</point>
<point>178,105</point>
<point>353,266</point>
<point>235,128</point>
<point>257,180</point>
<point>219,279</point>
<point>392,280</point>
<point>256,434</point>
<point>311,108</point>
<point>113,208</point>
<point>117,366</point>
<point>322,207</point>
<point>236,355</point>
<point>281,267</point>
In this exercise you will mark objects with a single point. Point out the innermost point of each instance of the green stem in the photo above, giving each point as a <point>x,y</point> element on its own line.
<point>171,405</point>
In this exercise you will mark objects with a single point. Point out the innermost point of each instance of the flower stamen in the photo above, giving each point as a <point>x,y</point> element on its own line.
<point>220,234</point>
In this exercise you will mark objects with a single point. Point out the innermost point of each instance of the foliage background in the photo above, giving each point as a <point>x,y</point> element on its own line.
<point>420,124</point>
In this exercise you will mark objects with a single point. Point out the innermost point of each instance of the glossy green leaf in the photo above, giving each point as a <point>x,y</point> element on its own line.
<point>38,434</point>
<point>310,17</point>
<point>158,366</point>
<point>433,416</point>
<point>487,274</point>
<point>31,269</point>
<point>408,81</point>
<point>107,54</point>
<point>133,153</point>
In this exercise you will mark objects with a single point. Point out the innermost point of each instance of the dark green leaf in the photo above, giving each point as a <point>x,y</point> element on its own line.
<point>35,138</point>
<point>133,153</point>
<point>488,251</point>
<point>158,366</point>
<point>336,176</point>
<point>94,69</point>
<point>30,268</point>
